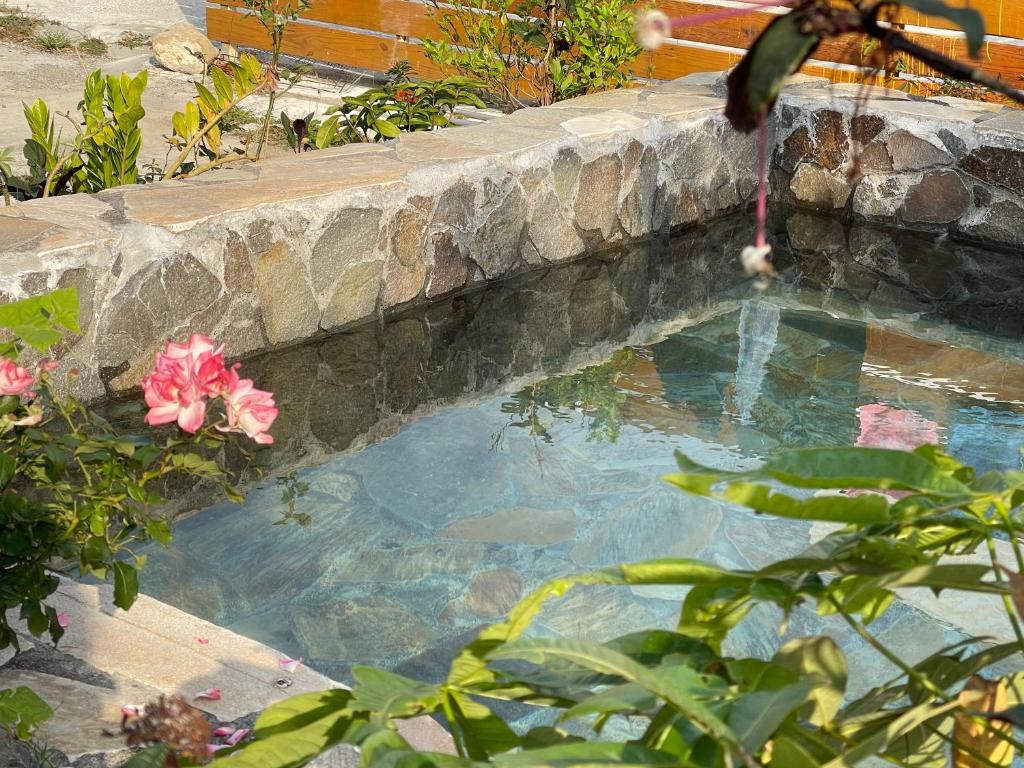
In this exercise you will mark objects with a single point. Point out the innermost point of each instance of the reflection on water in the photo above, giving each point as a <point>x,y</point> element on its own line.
<point>446,474</point>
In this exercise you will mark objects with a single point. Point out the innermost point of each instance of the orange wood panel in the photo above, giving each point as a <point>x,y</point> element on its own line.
<point>306,40</point>
<point>1003,59</point>
<point>396,17</point>
<point>412,19</point>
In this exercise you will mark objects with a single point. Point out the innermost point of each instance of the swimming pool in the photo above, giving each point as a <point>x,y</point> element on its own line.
<point>432,468</point>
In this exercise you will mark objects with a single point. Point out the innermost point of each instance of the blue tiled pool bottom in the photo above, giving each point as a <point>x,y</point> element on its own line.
<point>396,554</point>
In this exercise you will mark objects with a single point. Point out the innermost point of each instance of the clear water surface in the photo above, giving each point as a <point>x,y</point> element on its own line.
<point>432,469</point>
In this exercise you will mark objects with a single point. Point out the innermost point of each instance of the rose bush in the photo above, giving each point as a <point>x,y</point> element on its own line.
<point>76,494</point>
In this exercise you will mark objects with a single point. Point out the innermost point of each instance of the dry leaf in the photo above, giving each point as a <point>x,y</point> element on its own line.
<point>971,738</point>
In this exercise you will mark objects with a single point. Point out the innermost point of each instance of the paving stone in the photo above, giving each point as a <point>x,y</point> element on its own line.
<point>997,165</point>
<point>939,198</point>
<point>817,188</point>
<point>911,153</point>
<point>290,311</point>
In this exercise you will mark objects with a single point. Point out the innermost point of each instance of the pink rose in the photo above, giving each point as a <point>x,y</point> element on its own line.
<point>14,380</point>
<point>250,410</point>
<point>184,376</point>
<point>172,395</point>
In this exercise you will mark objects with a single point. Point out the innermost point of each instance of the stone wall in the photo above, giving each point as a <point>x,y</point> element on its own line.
<point>272,254</point>
<point>943,165</point>
<point>276,253</point>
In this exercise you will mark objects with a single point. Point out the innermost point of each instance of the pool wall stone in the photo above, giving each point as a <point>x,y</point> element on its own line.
<point>945,165</point>
<point>276,253</point>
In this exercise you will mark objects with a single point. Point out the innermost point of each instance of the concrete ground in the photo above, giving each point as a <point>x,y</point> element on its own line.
<point>57,78</point>
<point>107,19</point>
<point>109,658</point>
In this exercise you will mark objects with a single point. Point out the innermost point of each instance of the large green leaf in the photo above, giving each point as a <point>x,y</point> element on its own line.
<point>470,667</point>
<point>22,710</point>
<point>387,693</point>
<point>822,659</point>
<point>755,716</point>
<point>481,732</point>
<point>754,84</point>
<point>292,732</point>
<point>969,20</point>
<point>39,320</point>
<point>861,468</point>
<point>126,584</point>
<point>678,685</point>
<point>584,754</point>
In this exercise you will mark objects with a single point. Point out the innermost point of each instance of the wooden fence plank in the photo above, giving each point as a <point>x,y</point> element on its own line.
<point>410,19</point>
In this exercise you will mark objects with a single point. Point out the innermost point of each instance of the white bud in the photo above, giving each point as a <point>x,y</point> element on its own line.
<point>653,28</point>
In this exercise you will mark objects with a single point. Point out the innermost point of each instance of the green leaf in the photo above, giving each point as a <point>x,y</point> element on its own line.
<point>824,661</point>
<point>390,694</point>
<point>874,744</point>
<point>39,320</point>
<point>969,20</point>
<point>151,757</point>
<point>860,510</point>
<point>293,731</point>
<point>22,710</point>
<point>867,468</point>
<point>754,717</point>
<point>126,584</point>
<point>678,685</point>
<point>584,754</point>
<point>7,467</point>
<point>754,85</point>
<point>481,732</point>
<point>386,128</point>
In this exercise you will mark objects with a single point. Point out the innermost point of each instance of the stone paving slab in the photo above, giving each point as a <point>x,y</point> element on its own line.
<point>158,648</point>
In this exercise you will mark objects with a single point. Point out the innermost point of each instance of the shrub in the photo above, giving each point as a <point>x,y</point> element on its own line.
<point>687,703</point>
<point>76,494</point>
<point>524,56</point>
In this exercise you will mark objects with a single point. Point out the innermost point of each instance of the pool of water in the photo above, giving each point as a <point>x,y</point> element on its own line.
<point>432,469</point>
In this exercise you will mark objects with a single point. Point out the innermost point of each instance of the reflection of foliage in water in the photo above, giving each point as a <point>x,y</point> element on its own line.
<point>292,489</point>
<point>592,392</point>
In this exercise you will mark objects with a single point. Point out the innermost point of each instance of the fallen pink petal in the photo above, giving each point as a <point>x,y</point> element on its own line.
<point>224,730</point>
<point>211,748</point>
<point>236,737</point>
<point>203,640</point>
<point>213,694</point>
<point>62,620</point>
<point>290,665</point>
<point>132,710</point>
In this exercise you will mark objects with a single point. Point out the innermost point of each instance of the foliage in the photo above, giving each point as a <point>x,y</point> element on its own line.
<point>403,107</point>
<point>76,494</point>
<point>92,46</point>
<point>384,113</point>
<point>52,42</point>
<point>6,172</point>
<point>785,44</point>
<point>16,26</point>
<point>198,129</point>
<point>526,53</point>
<point>594,392</point>
<point>274,16</point>
<point>688,703</point>
<point>22,711</point>
<point>133,40</point>
<point>104,151</point>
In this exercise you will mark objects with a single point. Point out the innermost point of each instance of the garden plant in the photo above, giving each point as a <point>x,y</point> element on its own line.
<point>528,53</point>
<point>77,496</point>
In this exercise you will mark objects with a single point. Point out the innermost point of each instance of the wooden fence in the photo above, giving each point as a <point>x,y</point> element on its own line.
<point>375,34</point>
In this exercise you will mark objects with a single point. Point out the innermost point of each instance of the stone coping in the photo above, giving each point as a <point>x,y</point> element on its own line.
<point>276,253</point>
<point>155,649</point>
